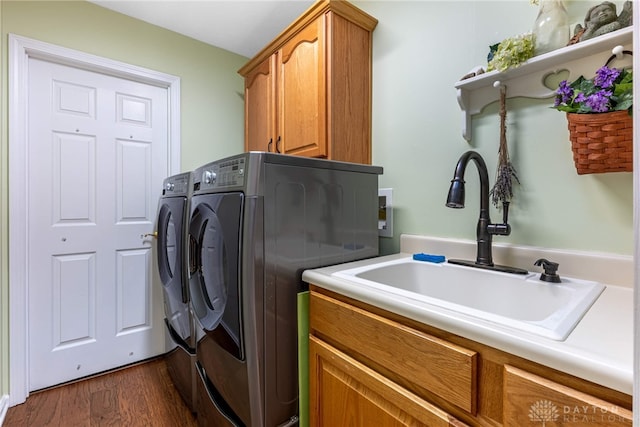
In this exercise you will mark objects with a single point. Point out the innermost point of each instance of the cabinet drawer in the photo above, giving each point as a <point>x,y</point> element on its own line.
<point>346,392</point>
<point>529,398</point>
<point>444,369</point>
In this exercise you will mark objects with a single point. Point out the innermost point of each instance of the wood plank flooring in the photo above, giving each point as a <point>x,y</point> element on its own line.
<point>140,395</point>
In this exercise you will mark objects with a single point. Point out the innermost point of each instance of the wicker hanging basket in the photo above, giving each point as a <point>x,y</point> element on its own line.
<point>601,142</point>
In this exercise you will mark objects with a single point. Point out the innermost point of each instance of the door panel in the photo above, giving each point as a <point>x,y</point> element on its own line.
<point>133,288</point>
<point>133,175</point>
<point>260,108</point>
<point>97,154</point>
<point>301,96</point>
<point>74,183</point>
<point>74,296</point>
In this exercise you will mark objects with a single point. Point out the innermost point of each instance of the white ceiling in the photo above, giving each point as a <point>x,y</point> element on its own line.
<point>240,26</point>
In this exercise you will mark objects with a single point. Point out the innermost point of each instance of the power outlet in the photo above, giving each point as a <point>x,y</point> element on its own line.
<point>385,212</point>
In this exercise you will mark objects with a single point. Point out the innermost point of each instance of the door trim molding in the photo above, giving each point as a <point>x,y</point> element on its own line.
<point>21,49</point>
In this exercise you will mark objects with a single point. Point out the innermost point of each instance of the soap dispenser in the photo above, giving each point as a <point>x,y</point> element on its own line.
<point>550,273</point>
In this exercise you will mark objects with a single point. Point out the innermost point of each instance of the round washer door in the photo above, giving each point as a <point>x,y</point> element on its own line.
<point>171,215</point>
<point>214,247</point>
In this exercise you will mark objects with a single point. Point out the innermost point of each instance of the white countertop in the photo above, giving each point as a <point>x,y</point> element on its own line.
<point>599,349</point>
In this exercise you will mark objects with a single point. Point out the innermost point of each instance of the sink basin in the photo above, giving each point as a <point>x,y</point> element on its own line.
<point>522,302</point>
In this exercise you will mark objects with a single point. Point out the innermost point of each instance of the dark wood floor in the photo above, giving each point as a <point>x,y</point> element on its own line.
<point>140,395</point>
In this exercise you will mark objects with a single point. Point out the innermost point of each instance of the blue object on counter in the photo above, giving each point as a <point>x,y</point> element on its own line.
<point>429,258</point>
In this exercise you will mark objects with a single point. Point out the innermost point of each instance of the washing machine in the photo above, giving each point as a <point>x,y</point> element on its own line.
<point>172,232</point>
<point>257,221</point>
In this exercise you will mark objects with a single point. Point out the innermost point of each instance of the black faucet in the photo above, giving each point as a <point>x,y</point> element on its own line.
<point>485,229</point>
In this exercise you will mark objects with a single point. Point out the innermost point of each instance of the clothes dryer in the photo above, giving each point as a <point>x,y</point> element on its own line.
<point>173,214</point>
<point>257,221</point>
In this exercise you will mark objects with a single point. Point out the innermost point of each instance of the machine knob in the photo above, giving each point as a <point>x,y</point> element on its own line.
<point>170,186</point>
<point>209,177</point>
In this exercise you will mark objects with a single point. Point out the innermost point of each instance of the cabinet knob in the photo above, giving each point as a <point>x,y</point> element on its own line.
<point>278,145</point>
<point>269,144</point>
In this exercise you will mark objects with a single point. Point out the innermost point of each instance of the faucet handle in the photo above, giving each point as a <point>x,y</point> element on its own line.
<point>550,270</point>
<point>503,229</point>
<point>505,212</point>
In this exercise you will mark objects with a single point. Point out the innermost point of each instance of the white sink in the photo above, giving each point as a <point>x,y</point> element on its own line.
<point>522,302</point>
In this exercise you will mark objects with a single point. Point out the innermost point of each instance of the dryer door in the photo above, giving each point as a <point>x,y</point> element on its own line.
<point>172,269</point>
<point>171,216</point>
<point>214,266</point>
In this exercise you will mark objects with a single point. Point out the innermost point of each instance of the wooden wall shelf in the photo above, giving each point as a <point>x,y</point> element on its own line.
<point>528,79</point>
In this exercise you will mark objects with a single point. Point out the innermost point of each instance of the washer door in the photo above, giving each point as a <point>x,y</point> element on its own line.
<point>171,216</point>
<point>214,265</point>
<point>171,266</point>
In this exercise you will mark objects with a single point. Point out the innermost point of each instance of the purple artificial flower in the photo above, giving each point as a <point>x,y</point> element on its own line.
<point>557,101</point>
<point>605,77</point>
<point>596,95</point>
<point>565,93</point>
<point>599,101</point>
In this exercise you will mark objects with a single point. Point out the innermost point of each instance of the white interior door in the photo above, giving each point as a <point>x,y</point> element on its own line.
<point>97,154</point>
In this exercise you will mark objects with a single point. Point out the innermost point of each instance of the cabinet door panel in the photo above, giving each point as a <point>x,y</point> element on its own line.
<point>529,399</point>
<point>445,369</point>
<point>260,107</point>
<point>349,95</point>
<point>302,93</point>
<point>346,392</point>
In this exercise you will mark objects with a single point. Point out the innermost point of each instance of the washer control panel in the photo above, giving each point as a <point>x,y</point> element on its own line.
<point>176,185</point>
<point>229,173</point>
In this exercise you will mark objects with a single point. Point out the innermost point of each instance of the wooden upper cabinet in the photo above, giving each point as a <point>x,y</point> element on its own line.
<point>308,93</point>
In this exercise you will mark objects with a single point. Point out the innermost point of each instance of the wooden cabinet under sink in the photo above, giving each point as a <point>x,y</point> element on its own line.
<point>347,392</point>
<point>308,93</point>
<point>531,398</point>
<point>368,367</point>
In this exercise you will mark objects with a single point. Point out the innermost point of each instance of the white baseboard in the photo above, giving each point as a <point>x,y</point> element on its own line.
<point>4,407</point>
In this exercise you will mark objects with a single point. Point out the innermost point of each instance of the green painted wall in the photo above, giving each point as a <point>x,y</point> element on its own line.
<point>421,48</point>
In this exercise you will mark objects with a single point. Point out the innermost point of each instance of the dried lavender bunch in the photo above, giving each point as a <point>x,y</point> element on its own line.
<point>502,190</point>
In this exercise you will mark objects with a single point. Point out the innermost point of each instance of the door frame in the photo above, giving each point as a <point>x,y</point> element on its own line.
<point>21,49</point>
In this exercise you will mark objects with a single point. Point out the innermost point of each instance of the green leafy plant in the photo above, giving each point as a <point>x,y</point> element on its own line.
<point>511,52</point>
<point>610,90</point>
